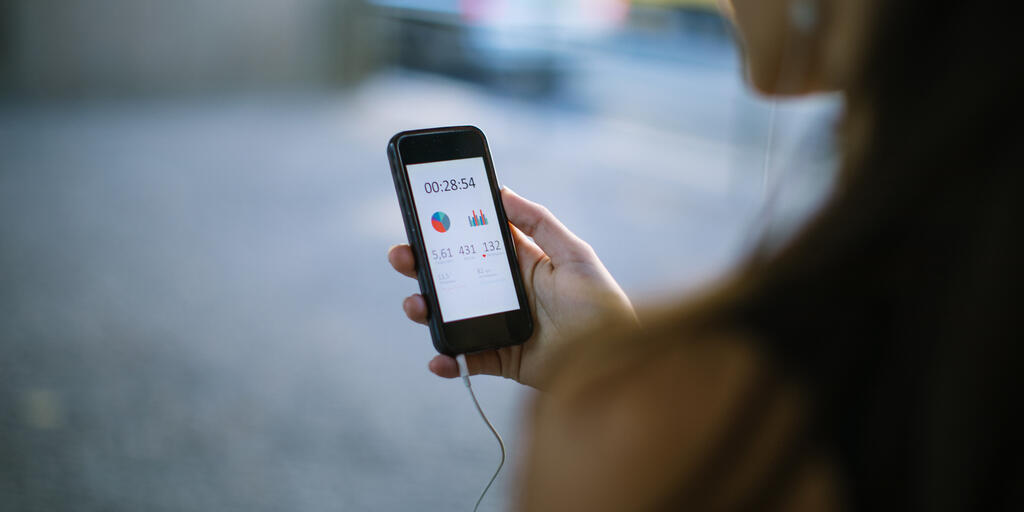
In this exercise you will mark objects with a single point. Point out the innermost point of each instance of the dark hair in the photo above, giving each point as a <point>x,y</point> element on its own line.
<point>900,304</point>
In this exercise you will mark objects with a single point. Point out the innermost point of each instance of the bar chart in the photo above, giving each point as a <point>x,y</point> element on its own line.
<point>477,220</point>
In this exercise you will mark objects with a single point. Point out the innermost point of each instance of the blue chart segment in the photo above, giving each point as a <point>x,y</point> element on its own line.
<point>477,220</point>
<point>440,221</point>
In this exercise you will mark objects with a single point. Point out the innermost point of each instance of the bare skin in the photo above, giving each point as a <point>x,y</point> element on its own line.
<point>784,59</point>
<point>569,290</point>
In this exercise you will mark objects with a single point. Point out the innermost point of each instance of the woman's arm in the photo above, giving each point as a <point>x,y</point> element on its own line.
<point>692,425</point>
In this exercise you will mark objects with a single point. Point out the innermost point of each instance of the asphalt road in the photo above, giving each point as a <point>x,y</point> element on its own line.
<point>196,313</point>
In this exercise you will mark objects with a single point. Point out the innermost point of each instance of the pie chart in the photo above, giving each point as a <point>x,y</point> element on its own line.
<point>440,221</point>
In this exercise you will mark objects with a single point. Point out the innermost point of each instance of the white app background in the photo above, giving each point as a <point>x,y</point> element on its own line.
<point>468,262</point>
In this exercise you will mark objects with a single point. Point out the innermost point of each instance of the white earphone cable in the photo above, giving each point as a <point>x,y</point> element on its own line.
<point>803,15</point>
<point>464,373</point>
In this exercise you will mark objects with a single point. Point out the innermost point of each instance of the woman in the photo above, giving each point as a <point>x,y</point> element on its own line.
<point>865,364</point>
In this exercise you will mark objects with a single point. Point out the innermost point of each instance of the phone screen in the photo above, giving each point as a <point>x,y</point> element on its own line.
<point>462,238</point>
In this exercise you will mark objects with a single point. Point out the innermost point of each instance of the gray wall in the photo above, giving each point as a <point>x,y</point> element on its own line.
<point>101,47</point>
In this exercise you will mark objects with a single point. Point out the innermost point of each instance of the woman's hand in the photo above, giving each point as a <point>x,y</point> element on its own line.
<point>569,291</point>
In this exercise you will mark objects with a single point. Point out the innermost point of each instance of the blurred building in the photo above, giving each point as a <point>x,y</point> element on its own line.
<point>104,47</point>
<point>151,47</point>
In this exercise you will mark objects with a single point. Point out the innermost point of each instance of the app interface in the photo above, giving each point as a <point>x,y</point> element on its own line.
<point>467,257</point>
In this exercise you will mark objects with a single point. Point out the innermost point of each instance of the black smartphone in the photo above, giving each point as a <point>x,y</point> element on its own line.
<point>465,256</point>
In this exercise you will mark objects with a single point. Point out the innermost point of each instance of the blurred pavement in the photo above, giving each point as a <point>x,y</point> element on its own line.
<point>196,312</point>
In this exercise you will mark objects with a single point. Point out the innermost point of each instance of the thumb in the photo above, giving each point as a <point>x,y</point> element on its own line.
<point>485,363</point>
<point>536,221</point>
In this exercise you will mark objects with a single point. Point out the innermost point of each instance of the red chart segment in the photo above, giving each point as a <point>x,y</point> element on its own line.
<point>440,221</point>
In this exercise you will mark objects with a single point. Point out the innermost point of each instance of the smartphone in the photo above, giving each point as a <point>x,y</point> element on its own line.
<point>465,257</point>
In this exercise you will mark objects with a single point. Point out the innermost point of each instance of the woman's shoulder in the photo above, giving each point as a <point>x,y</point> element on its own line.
<point>661,420</point>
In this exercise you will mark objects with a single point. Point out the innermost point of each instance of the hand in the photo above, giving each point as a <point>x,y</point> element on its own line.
<point>568,288</point>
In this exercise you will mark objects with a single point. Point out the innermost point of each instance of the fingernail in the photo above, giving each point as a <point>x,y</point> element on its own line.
<point>406,305</point>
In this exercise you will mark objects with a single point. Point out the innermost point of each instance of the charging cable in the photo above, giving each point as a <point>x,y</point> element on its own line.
<point>464,373</point>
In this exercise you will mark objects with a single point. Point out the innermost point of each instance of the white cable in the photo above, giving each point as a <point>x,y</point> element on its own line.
<point>803,15</point>
<point>464,373</point>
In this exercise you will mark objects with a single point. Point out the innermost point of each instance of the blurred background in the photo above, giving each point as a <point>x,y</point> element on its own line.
<point>195,308</point>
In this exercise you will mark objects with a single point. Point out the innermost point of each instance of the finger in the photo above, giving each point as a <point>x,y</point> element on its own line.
<point>536,221</point>
<point>528,253</point>
<point>481,363</point>
<point>526,249</point>
<point>444,366</point>
<point>401,258</point>
<point>415,308</point>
